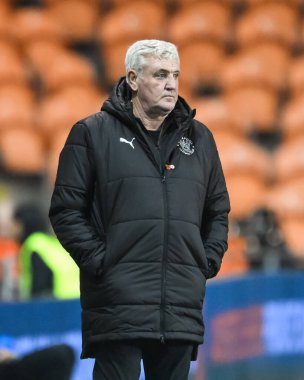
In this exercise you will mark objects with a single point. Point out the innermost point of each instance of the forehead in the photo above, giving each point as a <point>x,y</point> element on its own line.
<point>153,64</point>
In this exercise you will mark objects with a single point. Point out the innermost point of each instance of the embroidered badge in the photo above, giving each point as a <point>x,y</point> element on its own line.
<point>186,146</point>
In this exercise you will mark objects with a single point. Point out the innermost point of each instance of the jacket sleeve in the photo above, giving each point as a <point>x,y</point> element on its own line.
<point>215,215</point>
<point>72,201</point>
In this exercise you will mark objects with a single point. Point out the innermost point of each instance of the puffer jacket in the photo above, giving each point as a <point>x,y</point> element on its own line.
<point>143,222</point>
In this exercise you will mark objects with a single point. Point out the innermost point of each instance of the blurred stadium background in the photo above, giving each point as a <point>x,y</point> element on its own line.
<point>242,68</point>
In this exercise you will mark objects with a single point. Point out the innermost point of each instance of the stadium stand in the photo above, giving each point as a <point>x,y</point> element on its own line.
<point>292,118</point>
<point>289,160</point>
<point>12,68</point>
<point>246,194</point>
<point>264,65</point>
<point>242,69</point>
<point>202,61</point>
<point>268,21</point>
<point>296,76</point>
<point>214,112</point>
<point>29,158</point>
<point>5,14</point>
<point>136,20</point>
<point>32,24</point>
<point>66,69</point>
<point>252,108</point>
<point>209,20</point>
<point>17,106</point>
<point>286,201</point>
<point>77,18</point>
<point>63,108</point>
<point>236,263</point>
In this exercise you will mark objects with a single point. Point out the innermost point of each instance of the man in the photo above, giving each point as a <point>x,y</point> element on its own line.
<point>140,203</point>
<point>46,270</point>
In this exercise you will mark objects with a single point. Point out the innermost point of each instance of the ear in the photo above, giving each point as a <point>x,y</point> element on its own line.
<point>132,76</point>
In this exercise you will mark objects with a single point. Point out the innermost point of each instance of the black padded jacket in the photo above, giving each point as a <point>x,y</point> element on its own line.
<point>144,223</point>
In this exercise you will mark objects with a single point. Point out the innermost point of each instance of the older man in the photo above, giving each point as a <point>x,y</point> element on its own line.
<point>140,203</point>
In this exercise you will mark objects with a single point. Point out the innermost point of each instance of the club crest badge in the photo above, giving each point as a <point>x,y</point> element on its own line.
<point>186,146</point>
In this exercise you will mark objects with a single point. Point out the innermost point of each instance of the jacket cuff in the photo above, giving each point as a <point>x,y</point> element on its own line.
<point>212,269</point>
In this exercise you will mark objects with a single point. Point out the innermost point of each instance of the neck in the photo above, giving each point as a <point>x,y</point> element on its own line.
<point>150,122</point>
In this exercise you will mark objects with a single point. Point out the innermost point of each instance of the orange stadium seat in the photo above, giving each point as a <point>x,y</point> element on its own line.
<point>234,262</point>
<point>295,3</point>
<point>246,194</point>
<point>292,119</point>
<point>186,93</point>
<point>263,65</point>
<point>12,69</point>
<point>214,112</point>
<point>67,68</point>
<point>17,107</point>
<point>287,202</point>
<point>77,18</point>
<point>5,8</point>
<point>113,58</point>
<point>22,151</point>
<point>34,23</point>
<point>41,54</point>
<point>186,3</point>
<point>130,22</point>
<point>296,76</point>
<point>5,21</point>
<point>61,110</point>
<point>208,20</point>
<point>302,34</point>
<point>271,21</point>
<point>201,61</point>
<point>117,3</point>
<point>51,2</point>
<point>289,160</point>
<point>240,156</point>
<point>286,199</point>
<point>252,108</point>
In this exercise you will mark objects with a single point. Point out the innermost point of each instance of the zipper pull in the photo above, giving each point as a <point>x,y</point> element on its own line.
<point>163,178</point>
<point>162,339</point>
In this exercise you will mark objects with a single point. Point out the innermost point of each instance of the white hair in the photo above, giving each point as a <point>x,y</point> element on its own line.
<point>140,50</point>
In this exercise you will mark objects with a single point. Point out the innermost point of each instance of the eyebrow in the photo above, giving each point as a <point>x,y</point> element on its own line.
<point>167,71</point>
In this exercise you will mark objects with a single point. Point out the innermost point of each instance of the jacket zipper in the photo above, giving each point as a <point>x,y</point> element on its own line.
<point>165,249</point>
<point>165,242</point>
<point>164,260</point>
<point>162,170</point>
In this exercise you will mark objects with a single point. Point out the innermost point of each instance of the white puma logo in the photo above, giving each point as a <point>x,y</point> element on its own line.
<point>127,142</point>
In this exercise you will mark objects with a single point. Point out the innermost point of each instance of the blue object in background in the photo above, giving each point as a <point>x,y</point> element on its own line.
<point>254,329</point>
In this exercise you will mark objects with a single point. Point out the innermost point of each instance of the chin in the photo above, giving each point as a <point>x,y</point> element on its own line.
<point>168,106</point>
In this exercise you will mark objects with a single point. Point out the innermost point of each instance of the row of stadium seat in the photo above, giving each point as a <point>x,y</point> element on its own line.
<point>79,20</point>
<point>251,172</point>
<point>240,112</point>
<point>253,75</point>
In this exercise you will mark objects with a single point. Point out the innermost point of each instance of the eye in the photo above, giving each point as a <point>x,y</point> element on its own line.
<point>161,75</point>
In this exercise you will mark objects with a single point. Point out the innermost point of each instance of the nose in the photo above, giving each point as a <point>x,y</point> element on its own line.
<point>171,83</point>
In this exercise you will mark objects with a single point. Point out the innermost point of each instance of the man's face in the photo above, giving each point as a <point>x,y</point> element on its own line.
<point>157,86</point>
